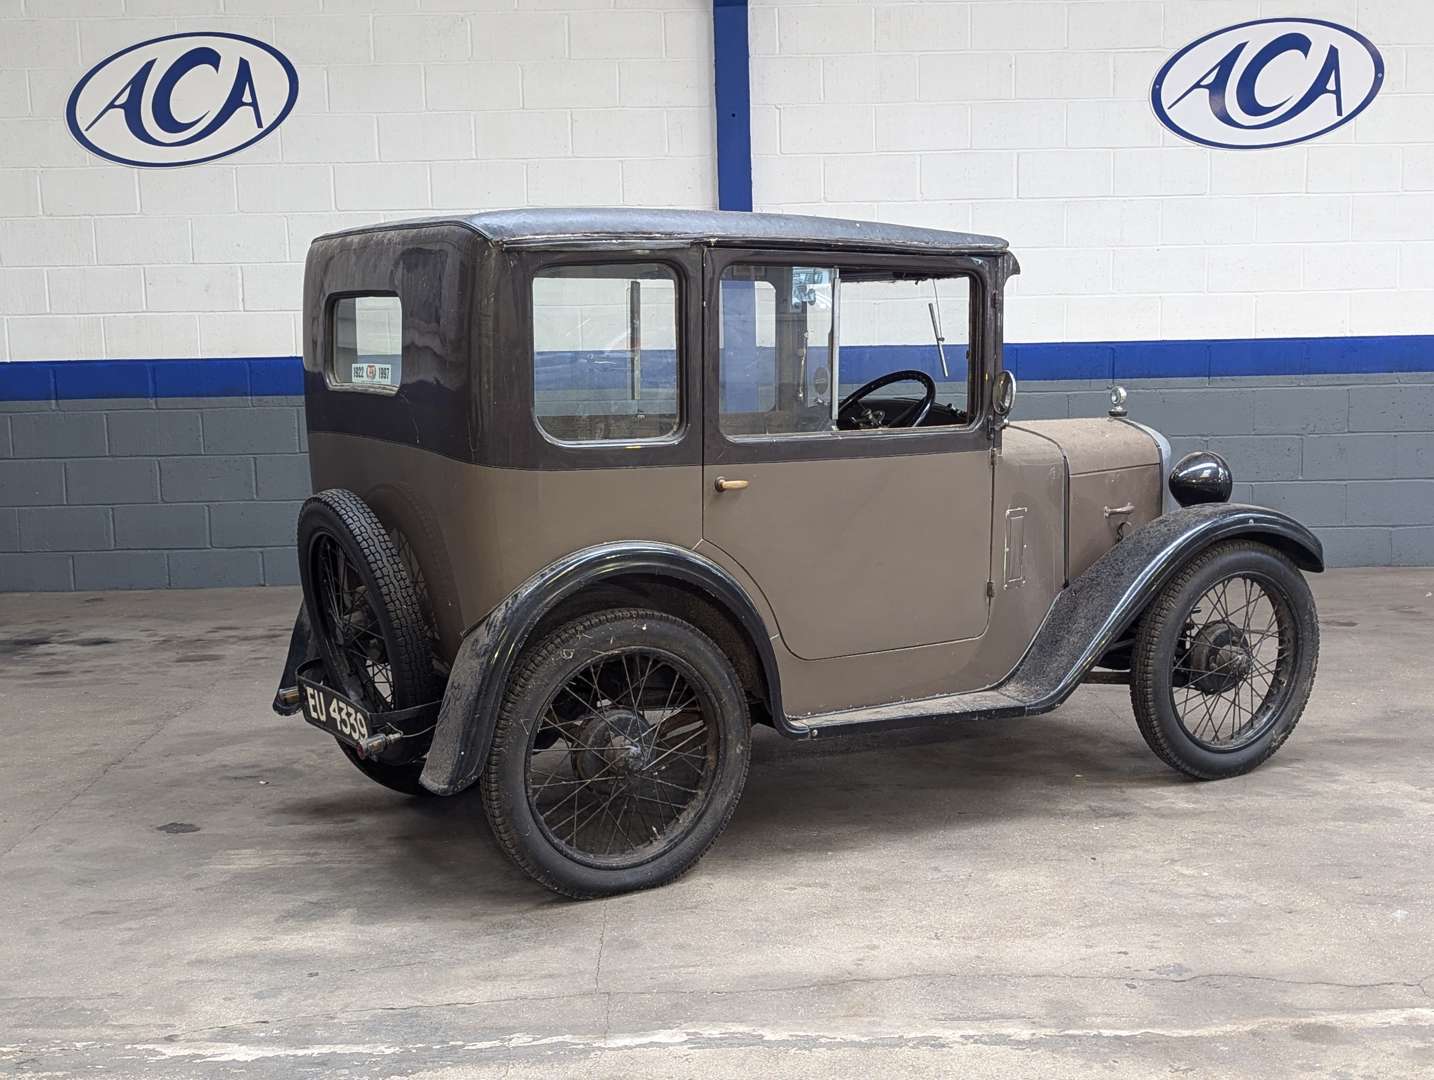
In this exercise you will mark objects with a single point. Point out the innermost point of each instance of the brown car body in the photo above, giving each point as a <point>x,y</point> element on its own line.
<point>858,578</point>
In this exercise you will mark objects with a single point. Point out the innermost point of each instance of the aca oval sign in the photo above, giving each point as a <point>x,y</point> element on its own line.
<point>1270,82</point>
<point>182,99</point>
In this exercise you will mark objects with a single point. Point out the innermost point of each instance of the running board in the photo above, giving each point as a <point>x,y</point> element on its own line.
<point>1085,621</point>
<point>991,704</point>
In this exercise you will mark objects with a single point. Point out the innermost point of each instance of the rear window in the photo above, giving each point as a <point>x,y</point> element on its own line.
<point>605,352</point>
<point>367,337</point>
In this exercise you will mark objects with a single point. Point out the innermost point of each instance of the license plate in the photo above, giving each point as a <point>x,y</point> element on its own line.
<point>334,713</point>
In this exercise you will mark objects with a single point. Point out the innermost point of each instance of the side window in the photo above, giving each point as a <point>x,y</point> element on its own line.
<point>892,324</point>
<point>366,336</point>
<point>776,343</point>
<point>605,352</point>
<point>797,341</point>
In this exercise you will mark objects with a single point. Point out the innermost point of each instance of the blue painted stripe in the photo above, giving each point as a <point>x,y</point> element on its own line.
<point>1118,360</point>
<point>67,380</point>
<point>1105,361</point>
<point>731,69</point>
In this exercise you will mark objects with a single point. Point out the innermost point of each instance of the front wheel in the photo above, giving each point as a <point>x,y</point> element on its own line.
<point>619,753</point>
<point>1224,661</point>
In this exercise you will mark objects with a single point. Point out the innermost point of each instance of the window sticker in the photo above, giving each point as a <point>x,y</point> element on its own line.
<point>373,374</point>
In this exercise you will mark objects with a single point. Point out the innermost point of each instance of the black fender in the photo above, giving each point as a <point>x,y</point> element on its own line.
<point>1103,603</point>
<point>488,653</point>
<point>301,651</point>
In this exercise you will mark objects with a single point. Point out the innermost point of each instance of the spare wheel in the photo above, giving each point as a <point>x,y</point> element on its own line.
<point>369,625</point>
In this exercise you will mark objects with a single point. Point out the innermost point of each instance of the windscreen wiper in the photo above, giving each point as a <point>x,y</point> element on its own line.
<point>936,329</point>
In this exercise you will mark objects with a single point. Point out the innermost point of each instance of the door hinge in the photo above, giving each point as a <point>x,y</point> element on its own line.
<point>990,590</point>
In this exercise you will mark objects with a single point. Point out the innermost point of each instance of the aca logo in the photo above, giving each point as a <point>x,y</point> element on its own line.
<point>1270,82</point>
<point>182,99</point>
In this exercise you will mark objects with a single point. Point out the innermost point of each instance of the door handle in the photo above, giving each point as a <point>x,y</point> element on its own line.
<point>1112,511</point>
<point>723,484</point>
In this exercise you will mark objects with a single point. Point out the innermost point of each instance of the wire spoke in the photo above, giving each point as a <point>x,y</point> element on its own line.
<point>626,758</point>
<point>348,622</point>
<point>1230,690</point>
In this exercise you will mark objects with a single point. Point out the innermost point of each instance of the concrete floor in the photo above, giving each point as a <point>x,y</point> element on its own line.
<point>195,886</point>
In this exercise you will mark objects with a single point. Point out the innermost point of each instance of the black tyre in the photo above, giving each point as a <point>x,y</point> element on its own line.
<point>368,624</point>
<point>620,751</point>
<point>1224,661</point>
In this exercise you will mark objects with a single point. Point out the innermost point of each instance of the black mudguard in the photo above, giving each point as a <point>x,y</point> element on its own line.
<point>301,651</point>
<point>489,652</point>
<point>1105,601</point>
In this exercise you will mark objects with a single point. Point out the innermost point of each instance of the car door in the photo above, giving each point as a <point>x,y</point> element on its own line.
<point>862,537</point>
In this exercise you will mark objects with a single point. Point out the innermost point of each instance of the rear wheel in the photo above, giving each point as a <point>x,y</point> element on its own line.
<point>368,624</point>
<point>619,754</point>
<point>1224,661</point>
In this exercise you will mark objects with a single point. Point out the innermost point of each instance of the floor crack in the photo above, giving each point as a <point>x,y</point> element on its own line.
<point>610,997</point>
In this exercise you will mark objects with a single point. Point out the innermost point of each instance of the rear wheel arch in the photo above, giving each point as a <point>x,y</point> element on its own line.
<point>662,576</point>
<point>679,598</point>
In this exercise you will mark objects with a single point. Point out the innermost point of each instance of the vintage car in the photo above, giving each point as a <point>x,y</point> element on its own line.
<point>598,490</point>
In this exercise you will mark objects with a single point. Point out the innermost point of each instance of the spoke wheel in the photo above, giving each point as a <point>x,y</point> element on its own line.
<point>1224,660</point>
<point>369,627</point>
<point>1235,668</point>
<point>618,755</point>
<point>348,619</point>
<point>623,758</point>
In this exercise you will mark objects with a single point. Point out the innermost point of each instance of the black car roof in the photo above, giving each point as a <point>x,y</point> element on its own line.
<point>555,226</point>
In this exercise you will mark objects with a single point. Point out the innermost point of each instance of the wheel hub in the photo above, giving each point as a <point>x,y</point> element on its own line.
<point>1220,658</point>
<point>615,744</point>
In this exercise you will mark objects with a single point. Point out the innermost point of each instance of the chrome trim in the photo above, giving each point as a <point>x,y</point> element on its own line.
<point>1167,500</point>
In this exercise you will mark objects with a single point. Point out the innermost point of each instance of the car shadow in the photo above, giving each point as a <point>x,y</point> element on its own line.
<point>801,797</point>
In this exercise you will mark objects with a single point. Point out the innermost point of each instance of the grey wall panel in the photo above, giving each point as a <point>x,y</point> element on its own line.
<point>186,492</point>
<point>102,570</point>
<point>32,483</point>
<point>207,569</point>
<point>251,431</point>
<point>207,479</point>
<point>181,525</point>
<point>111,481</point>
<point>155,433</point>
<point>58,435</point>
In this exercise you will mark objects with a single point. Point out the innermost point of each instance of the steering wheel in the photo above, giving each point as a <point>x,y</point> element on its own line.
<point>911,416</point>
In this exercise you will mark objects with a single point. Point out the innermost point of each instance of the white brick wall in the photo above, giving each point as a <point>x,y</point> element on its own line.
<point>406,107</point>
<point>1027,118</point>
<point>1031,119</point>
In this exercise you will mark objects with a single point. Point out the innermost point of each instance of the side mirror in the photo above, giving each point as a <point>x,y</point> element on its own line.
<point>1003,397</point>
